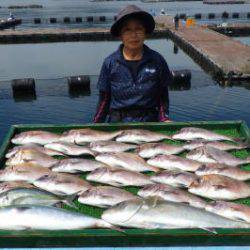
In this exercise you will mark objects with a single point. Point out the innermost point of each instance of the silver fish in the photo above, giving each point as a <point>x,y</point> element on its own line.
<point>153,213</point>
<point>230,210</point>
<point>23,172</point>
<point>46,218</point>
<point>128,161</point>
<point>173,162</point>
<point>85,135</point>
<point>77,165</point>
<point>62,184</point>
<point>8,185</point>
<point>174,178</point>
<point>221,169</point>
<point>104,196</point>
<point>215,144</point>
<point>140,136</point>
<point>208,154</point>
<point>110,146</point>
<point>118,177</point>
<point>69,148</point>
<point>153,149</point>
<point>31,156</point>
<point>170,193</point>
<point>31,196</point>
<point>31,146</point>
<point>38,137</point>
<point>193,133</point>
<point>218,187</point>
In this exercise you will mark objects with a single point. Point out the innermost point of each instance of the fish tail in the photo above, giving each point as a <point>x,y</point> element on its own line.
<point>93,153</point>
<point>248,159</point>
<point>154,169</point>
<point>245,144</point>
<point>70,201</point>
<point>169,137</point>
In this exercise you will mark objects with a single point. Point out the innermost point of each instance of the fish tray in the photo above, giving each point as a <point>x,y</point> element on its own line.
<point>130,237</point>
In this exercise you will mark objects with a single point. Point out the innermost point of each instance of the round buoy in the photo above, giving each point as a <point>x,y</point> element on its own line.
<point>37,20</point>
<point>197,16</point>
<point>235,15</point>
<point>78,20</point>
<point>248,15</point>
<point>23,87</point>
<point>211,16</point>
<point>79,82</point>
<point>181,76</point>
<point>66,20</point>
<point>225,15</point>
<point>102,18</point>
<point>90,19</point>
<point>52,20</point>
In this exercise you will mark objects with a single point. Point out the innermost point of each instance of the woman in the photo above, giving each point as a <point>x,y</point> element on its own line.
<point>133,83</point>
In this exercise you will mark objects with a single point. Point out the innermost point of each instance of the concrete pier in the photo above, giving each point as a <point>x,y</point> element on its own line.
<point>232,29</point>
<point>61,35</point>
<point>218,54</point>
<point>222,56</point>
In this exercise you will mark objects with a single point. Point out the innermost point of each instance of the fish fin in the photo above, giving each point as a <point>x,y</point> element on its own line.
<point>70,201</point>
<point>23,208</point>
<point>115,227</point>
<point>211,230</point>
<point>60,193</point>
<point>118,229</point>
<point>181,185</point>
<point>239,219</point>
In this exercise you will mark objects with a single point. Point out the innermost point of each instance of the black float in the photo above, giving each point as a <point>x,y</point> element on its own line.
<point>102,18</point>
<point>90,19</point>
<point>66,20</point>
<point>24,88</point>
<point>52,20</point>
<point>78,20</point>
<point>78,85</point>
<point>37,20</point>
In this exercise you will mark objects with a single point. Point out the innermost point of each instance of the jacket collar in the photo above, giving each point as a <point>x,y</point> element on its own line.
<point>145,57</point>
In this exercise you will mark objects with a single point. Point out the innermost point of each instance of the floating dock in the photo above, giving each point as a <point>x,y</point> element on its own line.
<point>222,56</point>
<point>218,54</point>
<point>61,35</point>
<point>232,29</point>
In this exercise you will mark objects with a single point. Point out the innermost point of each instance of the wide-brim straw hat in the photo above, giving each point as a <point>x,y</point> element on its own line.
<point>132,11</point>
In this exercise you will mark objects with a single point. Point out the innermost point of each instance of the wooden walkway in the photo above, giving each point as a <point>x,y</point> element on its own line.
<point>223,56</point>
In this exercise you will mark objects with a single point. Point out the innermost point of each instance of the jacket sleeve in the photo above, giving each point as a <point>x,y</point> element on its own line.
<point>102,107</point>
<point>166,78</point>
<point>103,85</point>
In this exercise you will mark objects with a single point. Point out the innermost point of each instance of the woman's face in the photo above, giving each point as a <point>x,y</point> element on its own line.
<point>133,34</point>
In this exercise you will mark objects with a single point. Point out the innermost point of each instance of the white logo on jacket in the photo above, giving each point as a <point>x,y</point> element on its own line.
<point>152,71</point>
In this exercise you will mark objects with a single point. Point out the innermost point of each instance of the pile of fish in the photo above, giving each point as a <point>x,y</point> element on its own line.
<point>184,180</point>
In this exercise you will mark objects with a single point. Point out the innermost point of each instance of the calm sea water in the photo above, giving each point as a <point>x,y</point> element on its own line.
<point>204,100</point>
<point>245,40</point>
<point>83,8</point>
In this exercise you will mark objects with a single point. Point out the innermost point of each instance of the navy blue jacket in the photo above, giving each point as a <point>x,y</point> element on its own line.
<point>148,90</point>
